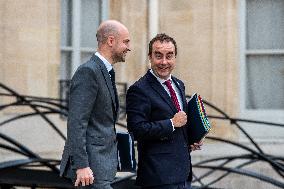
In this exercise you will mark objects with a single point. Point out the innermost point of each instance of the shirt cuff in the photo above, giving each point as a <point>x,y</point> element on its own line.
<point>172,124</point>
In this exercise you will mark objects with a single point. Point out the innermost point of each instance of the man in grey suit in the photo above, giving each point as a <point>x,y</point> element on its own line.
<point>90,153</point>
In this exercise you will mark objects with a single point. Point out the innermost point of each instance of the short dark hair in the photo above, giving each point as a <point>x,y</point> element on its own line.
<point>161,37</point>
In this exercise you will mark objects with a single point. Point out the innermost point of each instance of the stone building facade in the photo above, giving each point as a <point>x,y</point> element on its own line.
<point>220,43</point>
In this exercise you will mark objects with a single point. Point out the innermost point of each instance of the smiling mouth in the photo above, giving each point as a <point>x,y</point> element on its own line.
<point>163,69</point>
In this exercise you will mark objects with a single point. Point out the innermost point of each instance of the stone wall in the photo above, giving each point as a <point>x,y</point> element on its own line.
<point>30,46</point>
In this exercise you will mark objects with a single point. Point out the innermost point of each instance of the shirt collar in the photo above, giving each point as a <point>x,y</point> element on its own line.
<point>106,63</point>
<point>162,81</point>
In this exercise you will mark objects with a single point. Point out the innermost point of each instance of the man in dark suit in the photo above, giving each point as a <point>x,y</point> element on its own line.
<point>90,153</point>
<point>156,107</point>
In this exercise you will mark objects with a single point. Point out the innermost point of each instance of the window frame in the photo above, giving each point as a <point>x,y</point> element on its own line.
<point>75,49</point>
<point>273,115</point>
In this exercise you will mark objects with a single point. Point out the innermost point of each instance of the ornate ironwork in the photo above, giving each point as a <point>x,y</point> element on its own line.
<point>14,173</point>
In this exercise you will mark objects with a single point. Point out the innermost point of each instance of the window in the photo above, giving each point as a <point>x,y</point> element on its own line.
<point>262,56</point>
<point>79,22</point>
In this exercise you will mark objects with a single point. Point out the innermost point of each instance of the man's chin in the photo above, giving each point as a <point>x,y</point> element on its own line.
<point>163,75</point>
<point>120,59</point>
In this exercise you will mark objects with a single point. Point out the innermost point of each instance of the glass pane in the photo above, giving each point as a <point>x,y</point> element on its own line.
<point>66,22</point>
<point>66,65</point>
<point>90,19</point>
<point>265,24</point>
<point>85,56</point>
<point>265,82</point>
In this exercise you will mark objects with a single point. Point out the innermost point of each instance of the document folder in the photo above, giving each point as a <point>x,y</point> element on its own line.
<point>126,152</point>
<point>198,125</point>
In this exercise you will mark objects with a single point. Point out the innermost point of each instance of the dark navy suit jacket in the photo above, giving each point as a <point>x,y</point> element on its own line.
<point>163,154</point>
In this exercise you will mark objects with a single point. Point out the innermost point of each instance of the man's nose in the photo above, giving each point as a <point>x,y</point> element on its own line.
<point>128,47</point>
<point>164,60</point>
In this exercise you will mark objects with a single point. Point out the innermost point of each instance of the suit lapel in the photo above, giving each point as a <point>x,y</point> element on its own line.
<point>160,90</point>
<point>182,92</point>
<point>107,80</point>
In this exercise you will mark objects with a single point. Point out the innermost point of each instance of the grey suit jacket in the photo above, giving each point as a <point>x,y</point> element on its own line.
<point>91,138</point>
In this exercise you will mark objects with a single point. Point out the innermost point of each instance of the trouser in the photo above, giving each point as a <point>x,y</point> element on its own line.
<point>98,184</point>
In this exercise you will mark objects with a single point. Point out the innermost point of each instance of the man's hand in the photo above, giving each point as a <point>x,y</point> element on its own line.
<point>179,119</point>
<point>84,176</point>
<point>196,146</point>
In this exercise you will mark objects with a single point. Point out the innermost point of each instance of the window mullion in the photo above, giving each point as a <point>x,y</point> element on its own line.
<point>243,49</point>
<point>104,9</point>
<point>76,23</point>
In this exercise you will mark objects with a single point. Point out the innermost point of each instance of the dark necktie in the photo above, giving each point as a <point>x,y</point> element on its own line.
<point>112,77</point>
<point>173,94</point>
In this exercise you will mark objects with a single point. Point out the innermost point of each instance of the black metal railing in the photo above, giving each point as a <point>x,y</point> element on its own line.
<point>18,172</point>
<point>43,107</point>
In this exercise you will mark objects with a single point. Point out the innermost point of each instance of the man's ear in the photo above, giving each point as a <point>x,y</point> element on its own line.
<point>110,40</point>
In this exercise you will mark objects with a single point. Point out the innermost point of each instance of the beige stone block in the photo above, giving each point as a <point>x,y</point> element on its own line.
<point>16,76</point>
<point>192,30</point>
<point>34,40</point>
<point>135,19</point>
<point>16,80</point>
<point>37,79</point>
<point>225,61</point>
<point>30,33</point>
<point>2,40</point>
<point>223,129</point>
<point>53,80</point>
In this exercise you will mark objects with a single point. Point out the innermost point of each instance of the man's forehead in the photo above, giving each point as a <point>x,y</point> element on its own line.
<point>168,46</point>
<point>125,37</point>
<point>123,32</point>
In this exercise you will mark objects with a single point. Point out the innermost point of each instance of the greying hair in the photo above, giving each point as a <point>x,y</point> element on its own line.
<point>105,31</point>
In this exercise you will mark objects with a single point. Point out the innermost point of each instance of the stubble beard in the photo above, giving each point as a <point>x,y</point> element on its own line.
<point>118,57</point>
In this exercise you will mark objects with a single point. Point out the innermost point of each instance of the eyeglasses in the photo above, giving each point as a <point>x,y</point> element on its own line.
<point>160,56</point>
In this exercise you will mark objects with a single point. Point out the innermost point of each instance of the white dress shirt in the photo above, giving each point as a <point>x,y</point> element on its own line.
<point>166,88</point>
<point>106,63</point>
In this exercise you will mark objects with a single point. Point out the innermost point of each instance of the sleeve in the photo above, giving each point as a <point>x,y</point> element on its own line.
<point>139,123</point>
<point>83,91</point>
